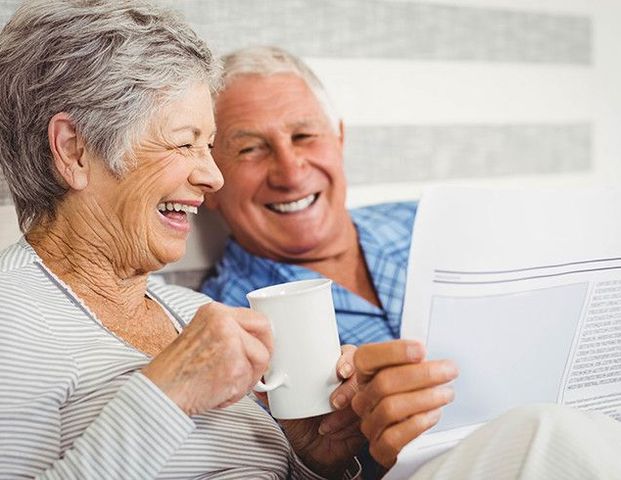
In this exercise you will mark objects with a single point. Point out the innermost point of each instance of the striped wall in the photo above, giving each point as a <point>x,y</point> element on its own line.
<point>479,91</point>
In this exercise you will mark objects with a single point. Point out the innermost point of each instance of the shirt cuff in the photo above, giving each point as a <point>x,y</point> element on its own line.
<point>353,471</point>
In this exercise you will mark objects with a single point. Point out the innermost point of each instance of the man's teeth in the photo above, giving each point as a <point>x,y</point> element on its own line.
<point>177,207</point>
<point>294,206</point>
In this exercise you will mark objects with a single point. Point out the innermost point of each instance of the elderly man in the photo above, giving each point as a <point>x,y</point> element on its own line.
<point>280,148</point>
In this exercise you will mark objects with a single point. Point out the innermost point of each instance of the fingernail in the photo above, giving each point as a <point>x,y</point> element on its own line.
<point>446,394</point>
<point>346,370</point>
<point>413,351</point>
<point>339,401</point>
<point>434,416</point>
<point>450,370</point>
<point>324,428</point>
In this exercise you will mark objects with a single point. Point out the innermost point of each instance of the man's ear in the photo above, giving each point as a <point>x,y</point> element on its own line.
<point>211,201</point>
<point>68,151</point>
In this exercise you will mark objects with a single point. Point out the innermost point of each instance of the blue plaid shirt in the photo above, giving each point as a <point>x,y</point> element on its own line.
<point>384,233</point>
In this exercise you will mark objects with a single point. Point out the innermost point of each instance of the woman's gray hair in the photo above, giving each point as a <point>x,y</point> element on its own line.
<point>108,64</point>
<point>269,60</point>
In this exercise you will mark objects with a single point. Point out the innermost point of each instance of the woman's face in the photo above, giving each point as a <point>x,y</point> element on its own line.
<point>145,214</point>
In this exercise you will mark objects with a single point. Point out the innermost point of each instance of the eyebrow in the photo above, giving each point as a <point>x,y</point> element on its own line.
<point>307,122</point>
<point>245,133</point>
<point>255,133</point>
<point>240,134</point>
<point>196,131</point>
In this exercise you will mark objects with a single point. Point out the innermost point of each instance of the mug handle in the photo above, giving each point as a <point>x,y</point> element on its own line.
<point>278,380</point>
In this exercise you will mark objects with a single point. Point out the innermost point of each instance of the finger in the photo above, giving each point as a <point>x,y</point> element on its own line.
<point>403,378</point>
<point>257,355</point>
<point>256,324</point>
<point>252,322</point>
<point>372,357</point>
<point>344,393</point>
<point>397,408</point>
<point>337,421</point>
<point>345,364</point>
<point>386,448</point>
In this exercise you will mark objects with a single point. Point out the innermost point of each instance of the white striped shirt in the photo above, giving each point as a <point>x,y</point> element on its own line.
<point>73,404</point>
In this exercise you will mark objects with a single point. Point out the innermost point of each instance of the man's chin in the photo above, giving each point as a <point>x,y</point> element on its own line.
<point>303,252</point>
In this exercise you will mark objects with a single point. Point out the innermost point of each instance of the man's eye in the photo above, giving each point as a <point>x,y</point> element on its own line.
<point>301,136</point>
<point>246,150</point>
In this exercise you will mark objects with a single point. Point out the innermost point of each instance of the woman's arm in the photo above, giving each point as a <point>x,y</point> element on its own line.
<point>143,423</point>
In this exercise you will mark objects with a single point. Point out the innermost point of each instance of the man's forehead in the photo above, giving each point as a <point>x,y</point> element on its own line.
<point>259,130</point>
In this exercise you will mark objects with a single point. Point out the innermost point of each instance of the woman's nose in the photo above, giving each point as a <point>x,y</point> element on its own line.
<point>206,174</point>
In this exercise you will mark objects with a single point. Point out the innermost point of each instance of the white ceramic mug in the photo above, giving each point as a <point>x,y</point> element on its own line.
<point>302,371</point>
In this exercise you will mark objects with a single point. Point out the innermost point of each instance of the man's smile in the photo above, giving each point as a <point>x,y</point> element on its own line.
<point>294,206</point>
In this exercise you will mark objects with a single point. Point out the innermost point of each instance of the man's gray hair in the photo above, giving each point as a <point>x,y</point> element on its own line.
<point>269,60</point>
<point>108,64</point>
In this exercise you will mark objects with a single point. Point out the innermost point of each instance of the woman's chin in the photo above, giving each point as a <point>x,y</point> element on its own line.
<point>169,253</point>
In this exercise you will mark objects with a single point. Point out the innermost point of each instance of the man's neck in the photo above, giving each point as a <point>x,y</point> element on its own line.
<point>348,268</point>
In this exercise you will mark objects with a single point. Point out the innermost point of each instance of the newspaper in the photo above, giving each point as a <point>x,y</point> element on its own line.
<point>522,289</point>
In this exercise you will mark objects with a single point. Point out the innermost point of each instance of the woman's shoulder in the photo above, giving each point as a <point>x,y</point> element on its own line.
<point>16,256</point>
<point>18,273</point>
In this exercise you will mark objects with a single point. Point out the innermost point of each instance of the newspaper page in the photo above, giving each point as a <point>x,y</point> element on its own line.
<point>522,289</point>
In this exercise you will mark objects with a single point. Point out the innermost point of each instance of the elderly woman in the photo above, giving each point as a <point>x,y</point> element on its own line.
<point>105,135</point>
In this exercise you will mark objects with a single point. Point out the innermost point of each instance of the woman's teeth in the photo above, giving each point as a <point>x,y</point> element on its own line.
<point>296,206</point>
<point>176,207</point>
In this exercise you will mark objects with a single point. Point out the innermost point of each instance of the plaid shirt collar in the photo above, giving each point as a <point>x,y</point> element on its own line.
<point>383,249</point>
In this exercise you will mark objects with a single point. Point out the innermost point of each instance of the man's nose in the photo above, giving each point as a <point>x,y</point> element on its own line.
<point>288,167</point>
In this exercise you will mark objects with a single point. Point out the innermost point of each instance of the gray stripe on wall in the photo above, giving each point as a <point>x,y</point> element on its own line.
<point>393,29</point>
<point>387,29</point>
<point>404,153</point>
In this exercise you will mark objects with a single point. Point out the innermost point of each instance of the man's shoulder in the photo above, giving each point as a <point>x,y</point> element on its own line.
<point>239,272</point>
<point>390,218</point>
<point>232,278</point>
<point>227,287</point>
<point>396,211</point>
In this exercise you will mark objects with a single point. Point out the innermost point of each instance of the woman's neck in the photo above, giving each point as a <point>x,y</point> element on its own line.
<point>97,269</point>
<point>88,264</point>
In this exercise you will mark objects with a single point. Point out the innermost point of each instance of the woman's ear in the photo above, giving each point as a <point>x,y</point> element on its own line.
<point>68,151</point>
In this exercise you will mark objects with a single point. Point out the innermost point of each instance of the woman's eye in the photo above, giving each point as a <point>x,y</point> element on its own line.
<point>187,146</point>
<point>210,146</point>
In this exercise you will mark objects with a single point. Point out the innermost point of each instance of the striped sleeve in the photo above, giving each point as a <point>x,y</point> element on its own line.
<point>132,437</point>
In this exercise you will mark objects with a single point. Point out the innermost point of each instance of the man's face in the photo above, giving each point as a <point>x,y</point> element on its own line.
<point>282,162</point>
